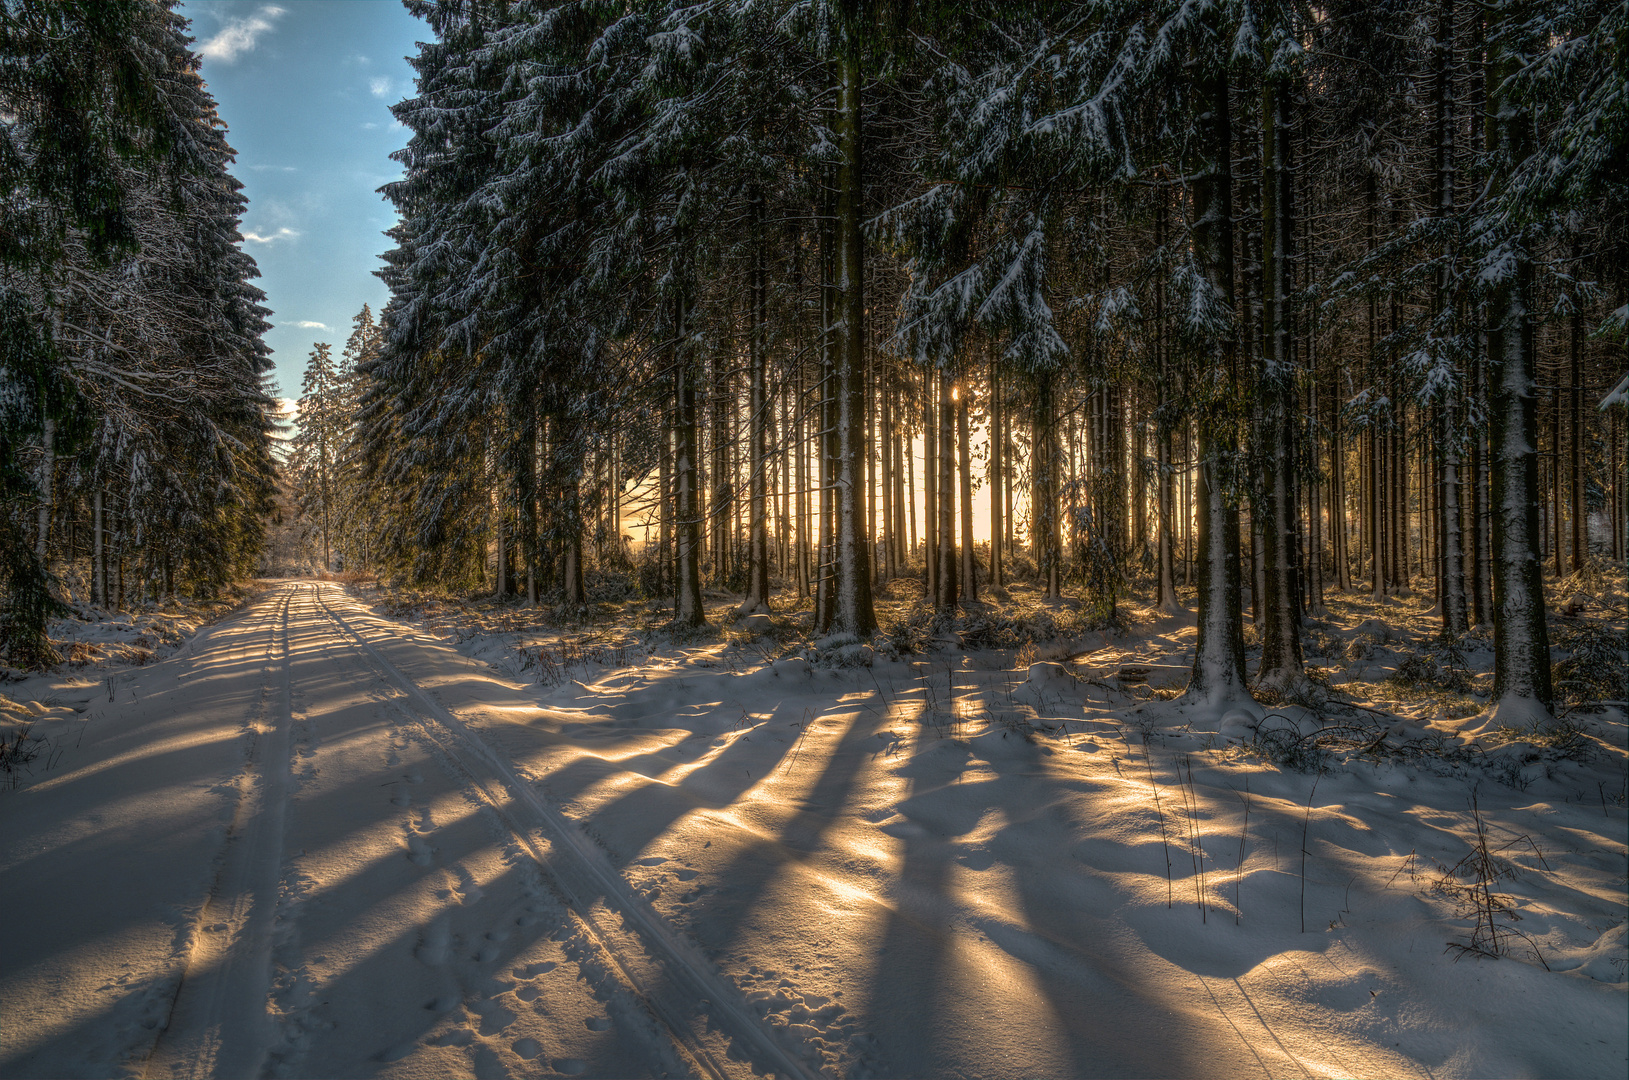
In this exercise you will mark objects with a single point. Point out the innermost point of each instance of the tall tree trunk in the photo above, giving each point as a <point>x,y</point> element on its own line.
<point>1337,496</point>
<point>909,450</point>
<point>571,544</point>
<point>855,613</point>
<point>1044,500</point>
<point>1281,660</point>
<point>800,447</point>
<point>1451,559</point>
<point>526,483</point>
<point>1481,559</point>
<point>889,522</point>
<point>1556,489</point>
<point>1314,561</point>
<point>1521,643</point>
<point>501,586</point>
<point>930,481</point>
<point>1167,599</point>
<point>1575,484</point>
<point>1218,663</point>
<point>964,448</point>
<point>945,559</point>
<point>98,553</point>
<point>826,441</point>
<point>666,577</point>
<point>757,598</point>
<point>997,481</point>
<point>687,606</point>
<point>48,468</point>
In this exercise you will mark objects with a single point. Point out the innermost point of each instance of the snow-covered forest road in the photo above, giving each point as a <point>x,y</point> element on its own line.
<point>320,843</point>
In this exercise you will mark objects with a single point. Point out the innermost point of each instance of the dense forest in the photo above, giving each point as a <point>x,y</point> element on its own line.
<point>135,423</point>
<point>1270,297</point>
<point>1233,303</point>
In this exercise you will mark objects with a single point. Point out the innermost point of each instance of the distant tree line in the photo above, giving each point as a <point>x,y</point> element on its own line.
<point>135,425</point>
<point>1304,297</point>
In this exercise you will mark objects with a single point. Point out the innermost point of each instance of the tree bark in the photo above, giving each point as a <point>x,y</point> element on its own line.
<point>997,481</point>
<point>1521,645</point>
<point>945,559</point>
<point>1451,558</point>
<point>687,606</point>
<point>930,482</point>
<point>98,553</point>
<point>969,575</point>
<point>855,613</point>
<point>757,598</point>
<point>1218,663</point>
<point>1044,500</point>
<point>1281,660</point>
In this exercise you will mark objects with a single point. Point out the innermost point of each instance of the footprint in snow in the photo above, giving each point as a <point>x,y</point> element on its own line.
<point>494,1017</point>
<point>571,1066</point>
<point>437,940</point>
<point>527,1048</point>
<point>455,1037</point>
<point>532,971</point>
<point>598,1023</point>
<point>418,852</point>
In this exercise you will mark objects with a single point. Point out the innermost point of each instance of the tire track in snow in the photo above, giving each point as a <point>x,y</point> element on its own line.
<point>218,1023</point>
<point>684,977</point>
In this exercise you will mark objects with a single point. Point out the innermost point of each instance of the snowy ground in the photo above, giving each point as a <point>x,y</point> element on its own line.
<point>323,842</point>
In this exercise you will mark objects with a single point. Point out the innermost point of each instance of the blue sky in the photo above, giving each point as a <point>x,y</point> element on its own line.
<point>304,87</point>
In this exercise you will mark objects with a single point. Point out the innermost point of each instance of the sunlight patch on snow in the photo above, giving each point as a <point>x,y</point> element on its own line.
<point>147,754</point>
<point>55,999</point>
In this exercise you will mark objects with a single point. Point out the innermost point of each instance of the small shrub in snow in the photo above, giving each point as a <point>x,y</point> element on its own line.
<point>17,749</point>
<point>1597,667</point>
<point>610,586</point>
<point>1442,670</point>
<point>1471,884</point>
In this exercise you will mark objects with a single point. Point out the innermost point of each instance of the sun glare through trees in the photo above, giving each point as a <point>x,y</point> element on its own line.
<point>863,539</point>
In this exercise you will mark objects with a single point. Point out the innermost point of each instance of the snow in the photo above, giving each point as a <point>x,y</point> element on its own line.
<point>321,841</point>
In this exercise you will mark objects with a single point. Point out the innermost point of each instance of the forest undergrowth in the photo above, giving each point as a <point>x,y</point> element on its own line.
<point>1381,683</point>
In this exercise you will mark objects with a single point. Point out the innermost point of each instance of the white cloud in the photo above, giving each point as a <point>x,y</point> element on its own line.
<point>379,87</point>
<point>274,168</point>
<point>240,35</point>
<point>307,324</point>
<point>280,234</point>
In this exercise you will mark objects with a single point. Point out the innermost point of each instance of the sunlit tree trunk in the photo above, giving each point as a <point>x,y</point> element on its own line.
<point>997,478</point>
<point>687,608</point>
<point>1047,545</point>
<point>945,560</point>
<point>758,462</point>
<point>965,449</point>
<point>855,613</point>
